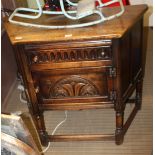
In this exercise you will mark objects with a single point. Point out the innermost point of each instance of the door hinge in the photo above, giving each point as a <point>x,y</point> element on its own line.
<point>112,72</point>
<point>113,95</point>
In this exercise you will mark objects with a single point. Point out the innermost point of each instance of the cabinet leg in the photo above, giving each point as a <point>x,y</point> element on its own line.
<point>139,88</point>
<point>119,136</point>
<point>43,138</point>
<point>40,125</point>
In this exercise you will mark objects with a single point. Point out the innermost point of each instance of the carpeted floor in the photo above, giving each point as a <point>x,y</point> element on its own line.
<point>138,140</point>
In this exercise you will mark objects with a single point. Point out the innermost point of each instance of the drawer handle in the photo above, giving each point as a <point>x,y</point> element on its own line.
<point>37,89</point>
<point>102,54</point>
<point>35,59</point>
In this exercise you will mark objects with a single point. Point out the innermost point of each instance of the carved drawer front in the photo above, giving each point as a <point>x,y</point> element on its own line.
<point>61,87</point>
<point>67,55</point>
<point>46,56</point>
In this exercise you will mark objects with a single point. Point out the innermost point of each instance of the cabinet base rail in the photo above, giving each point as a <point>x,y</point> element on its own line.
<point>93,137</point>
<point>69,106</point>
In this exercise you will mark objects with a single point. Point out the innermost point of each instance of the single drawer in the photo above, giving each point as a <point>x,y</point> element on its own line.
<point>70,54</point>
<point>48,56</point>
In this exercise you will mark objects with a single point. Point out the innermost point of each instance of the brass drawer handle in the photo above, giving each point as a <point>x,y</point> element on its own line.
<point>35,59</point>
<point>37,89</point>
<point>103,54</point>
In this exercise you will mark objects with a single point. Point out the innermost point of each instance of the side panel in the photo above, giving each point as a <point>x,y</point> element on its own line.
<point>131,59</point>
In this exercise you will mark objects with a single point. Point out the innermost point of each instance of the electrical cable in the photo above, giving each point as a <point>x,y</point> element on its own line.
<point>21,87</point>
<point>66,114</point>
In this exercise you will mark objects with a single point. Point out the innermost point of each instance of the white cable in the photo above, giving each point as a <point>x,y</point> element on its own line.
<point>21,98</point>
<point>22,89</point>
<point>71,3</point>
<point>60,123</point>
<point>46,148</point>
<point>66,112</point>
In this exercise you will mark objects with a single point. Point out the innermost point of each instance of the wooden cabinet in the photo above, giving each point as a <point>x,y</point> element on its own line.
<point>73,74</point>
<point>86,68</point>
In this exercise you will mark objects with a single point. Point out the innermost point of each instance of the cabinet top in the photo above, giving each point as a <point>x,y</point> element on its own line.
<point>115,28</point>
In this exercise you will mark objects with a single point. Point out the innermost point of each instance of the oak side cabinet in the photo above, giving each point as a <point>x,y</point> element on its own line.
<point>85,68</point>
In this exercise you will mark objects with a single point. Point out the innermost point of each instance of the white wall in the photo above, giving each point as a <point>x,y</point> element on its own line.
<point>148,19</point>
<point>33,4</point>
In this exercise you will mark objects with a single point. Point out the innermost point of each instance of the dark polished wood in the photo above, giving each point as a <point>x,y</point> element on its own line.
<point>110,29</point>
<point>99,137</point>
<point>86,68</point>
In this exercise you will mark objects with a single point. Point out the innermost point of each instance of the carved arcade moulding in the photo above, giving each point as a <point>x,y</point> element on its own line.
<point>59,55</point>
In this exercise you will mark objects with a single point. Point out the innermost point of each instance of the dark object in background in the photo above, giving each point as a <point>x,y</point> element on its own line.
<point>125,2</point>
<point>54,5</point>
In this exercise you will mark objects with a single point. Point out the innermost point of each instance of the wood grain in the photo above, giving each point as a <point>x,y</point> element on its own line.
<point>61,138</point>
<point>85,80</point>
<point>110,29</point>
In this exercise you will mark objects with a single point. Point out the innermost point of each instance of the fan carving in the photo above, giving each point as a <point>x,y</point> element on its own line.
<point>73,86</point>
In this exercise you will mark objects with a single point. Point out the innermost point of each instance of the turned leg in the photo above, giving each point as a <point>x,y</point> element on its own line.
<point>38,119</point>
<point>40,125</point>
<point>139,87</point>
<point>119,136</point>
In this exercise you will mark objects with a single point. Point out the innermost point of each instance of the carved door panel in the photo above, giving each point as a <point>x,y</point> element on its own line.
<point>76,85</point>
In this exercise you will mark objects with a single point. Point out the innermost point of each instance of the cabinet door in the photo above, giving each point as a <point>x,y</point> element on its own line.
<point>73,85</point>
